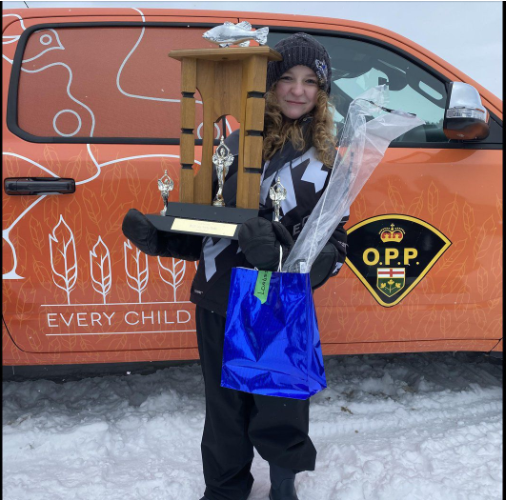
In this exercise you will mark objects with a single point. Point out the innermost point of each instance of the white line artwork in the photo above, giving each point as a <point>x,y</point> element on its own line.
<point>48,43</point>
<point>63,257</point>
<point>136,96</point>
<point>45,41</point>
<point>118,76</point>
<point>172,274</point>
<point>139,280</point>
<point>8,39</point>
<point>71,112</point>
<point>69,84</point>
<point>12,274</point>
<point>18,17</point>
<point>101,269</point>
<point>5,233</point>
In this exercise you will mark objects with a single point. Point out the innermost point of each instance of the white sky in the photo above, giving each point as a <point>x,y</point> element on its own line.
<point>466,34</point>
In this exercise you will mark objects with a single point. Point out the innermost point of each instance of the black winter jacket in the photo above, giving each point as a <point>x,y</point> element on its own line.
<point>305,179</point>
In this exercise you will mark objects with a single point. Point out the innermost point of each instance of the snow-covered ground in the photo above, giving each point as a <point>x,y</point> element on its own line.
<point>389,427</point>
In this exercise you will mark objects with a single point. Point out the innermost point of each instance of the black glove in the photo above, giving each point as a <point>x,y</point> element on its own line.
<point>147,238</point>
<point>137,228</point>
<point>260,240</point>
<point>324,266</point>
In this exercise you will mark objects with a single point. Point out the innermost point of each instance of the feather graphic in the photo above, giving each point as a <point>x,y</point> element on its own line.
<point>100,268</point>
<point>449,217</point>
<point>172,274</point>
<point>37,234</point>
<point>90,204</point>
<point>482,282</point>
<point>359,206</point>
<point>484,238</point>
<point>51,157</point>
<point>454,279</point>
<point>395,198</point>
<point>459,247</point>
<point>416,206</point>
<point>432,198</point>
<point>62,248</point>
<point>444,322</point>
<point>137,281</point>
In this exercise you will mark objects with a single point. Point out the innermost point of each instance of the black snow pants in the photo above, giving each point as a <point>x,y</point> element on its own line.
<point>237,421</point>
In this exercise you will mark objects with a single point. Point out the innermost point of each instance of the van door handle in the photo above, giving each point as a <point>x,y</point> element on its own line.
<point>39,185</point>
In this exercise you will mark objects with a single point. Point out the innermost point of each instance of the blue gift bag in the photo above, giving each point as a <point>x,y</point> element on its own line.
<point>272,344</point>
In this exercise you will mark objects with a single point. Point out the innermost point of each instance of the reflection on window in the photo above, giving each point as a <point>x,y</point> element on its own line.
<point>360,66</point>
<point>357,66</point>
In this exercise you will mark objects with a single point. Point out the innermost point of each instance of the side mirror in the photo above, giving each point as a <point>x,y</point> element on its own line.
<point>465,116</point>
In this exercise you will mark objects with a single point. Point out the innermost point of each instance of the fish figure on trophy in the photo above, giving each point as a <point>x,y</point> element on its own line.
<point>236,34</point>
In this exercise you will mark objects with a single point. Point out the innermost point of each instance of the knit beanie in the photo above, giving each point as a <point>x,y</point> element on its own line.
<point>301,49</point>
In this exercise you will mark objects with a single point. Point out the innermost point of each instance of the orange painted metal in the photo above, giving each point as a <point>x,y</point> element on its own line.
<point>75,291</point>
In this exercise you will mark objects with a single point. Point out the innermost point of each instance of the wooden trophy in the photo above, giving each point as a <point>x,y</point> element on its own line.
<point>231,81</point>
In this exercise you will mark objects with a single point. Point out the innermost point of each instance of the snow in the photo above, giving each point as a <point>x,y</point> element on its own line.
<point>388,427</point>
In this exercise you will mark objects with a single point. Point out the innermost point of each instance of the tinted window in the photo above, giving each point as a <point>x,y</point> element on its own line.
<point>118,82</point>
<point>105,82</point>
<point>358,66</point>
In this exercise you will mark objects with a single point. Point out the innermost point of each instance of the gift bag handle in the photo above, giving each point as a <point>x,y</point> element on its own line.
<point>280,260</point>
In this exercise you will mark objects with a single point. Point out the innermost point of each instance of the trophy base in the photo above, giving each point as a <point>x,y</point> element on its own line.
<point>202,220</point>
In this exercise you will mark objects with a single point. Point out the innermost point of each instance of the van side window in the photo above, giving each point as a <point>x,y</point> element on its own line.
<point>104,82</point>
<point>360,66</point>
<point>117,84</point>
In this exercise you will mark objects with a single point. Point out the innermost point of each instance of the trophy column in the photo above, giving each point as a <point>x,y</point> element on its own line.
<point>188,89</point>
<point>252,126</point>
<point>231,82</point>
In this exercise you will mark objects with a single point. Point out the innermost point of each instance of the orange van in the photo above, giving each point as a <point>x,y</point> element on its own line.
<point>91,120</point>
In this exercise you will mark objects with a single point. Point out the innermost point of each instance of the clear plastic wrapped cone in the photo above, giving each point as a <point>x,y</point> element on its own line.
<point>369,129</point>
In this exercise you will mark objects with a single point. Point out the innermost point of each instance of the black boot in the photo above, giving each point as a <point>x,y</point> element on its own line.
<point>243,498</point>
<point>282,484</point>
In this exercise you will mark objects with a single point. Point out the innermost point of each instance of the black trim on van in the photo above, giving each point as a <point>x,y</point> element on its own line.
<point>12,116</point>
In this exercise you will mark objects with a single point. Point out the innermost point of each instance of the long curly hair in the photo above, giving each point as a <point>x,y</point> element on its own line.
<point>321,132</point>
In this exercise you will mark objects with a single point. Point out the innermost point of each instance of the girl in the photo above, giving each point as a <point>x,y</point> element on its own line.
<point>299,148</point>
